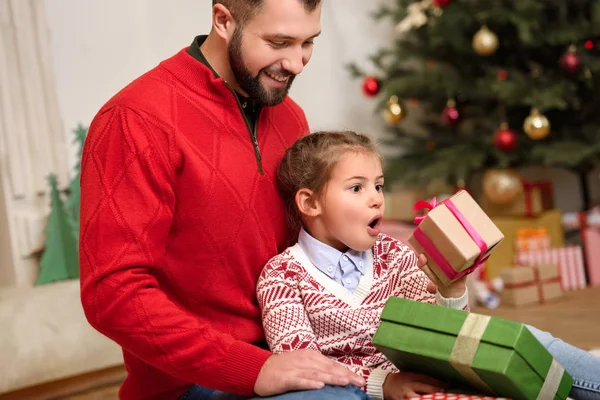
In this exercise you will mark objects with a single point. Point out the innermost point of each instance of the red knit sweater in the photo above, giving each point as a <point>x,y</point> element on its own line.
<point>176,225</point>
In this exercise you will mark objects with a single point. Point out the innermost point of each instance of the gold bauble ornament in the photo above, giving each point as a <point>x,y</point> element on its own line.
<point>394,112</point>
<point>536,125</point>
<point>485,42</point>
<point>502,186</point>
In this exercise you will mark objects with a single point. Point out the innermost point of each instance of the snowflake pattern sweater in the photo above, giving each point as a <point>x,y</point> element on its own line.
<point>304,308</point>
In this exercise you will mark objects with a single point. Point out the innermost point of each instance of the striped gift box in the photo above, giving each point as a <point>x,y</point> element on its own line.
<point>455,396</point>
<point>569,259</point>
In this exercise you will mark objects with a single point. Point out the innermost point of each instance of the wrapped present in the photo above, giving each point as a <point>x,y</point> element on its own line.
<point>497,357</point>
<point>530,284</point>
<point>399,204</point>
<point>532,239</point>
<point>529,203</point>
<point>455,396</point>
<point>569,260</point>
<point>503,256</point>
<point>591,239</point>
<point>455,235</point>
<point>547,190</point>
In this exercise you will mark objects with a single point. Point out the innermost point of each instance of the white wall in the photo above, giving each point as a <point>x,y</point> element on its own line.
<point>100,46</point>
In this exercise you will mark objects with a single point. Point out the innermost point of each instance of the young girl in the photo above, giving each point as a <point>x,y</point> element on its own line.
<point>327,292</point>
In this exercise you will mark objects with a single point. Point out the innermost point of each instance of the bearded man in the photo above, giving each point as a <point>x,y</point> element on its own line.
<point>180,211</point>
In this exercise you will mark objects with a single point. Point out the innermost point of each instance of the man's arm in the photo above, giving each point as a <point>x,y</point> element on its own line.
<point>127,205</point>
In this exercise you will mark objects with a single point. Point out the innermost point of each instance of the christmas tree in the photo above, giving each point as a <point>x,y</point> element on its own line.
<point>488,84</point>
<point>72,203</point>
<point>60,258</point>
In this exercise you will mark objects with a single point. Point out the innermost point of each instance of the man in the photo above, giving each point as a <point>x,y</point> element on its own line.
<point>179,210</point>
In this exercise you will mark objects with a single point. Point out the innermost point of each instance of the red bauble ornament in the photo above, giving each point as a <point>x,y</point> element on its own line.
<point>505,139</point>
<point>370,86</point>
<point>450,114</point>
<point>502,75</point>
<point>570,61</point>
<point>441,3</point>
<point>589,44</point>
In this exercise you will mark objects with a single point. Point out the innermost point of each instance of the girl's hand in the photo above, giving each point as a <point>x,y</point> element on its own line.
<point>400,385</point>
<point>455,290</point>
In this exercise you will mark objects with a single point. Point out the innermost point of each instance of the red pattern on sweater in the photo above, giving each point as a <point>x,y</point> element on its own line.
<point>299,312</point>
<point>176,225</point>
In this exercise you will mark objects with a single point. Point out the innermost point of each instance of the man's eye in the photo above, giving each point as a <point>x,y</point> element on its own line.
<point>276,43</point>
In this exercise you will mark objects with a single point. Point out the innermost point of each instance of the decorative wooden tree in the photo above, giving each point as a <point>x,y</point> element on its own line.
<point>60,258</point>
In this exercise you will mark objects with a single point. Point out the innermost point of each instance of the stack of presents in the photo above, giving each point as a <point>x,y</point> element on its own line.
<point>545,252</point>
<point>523,243</point>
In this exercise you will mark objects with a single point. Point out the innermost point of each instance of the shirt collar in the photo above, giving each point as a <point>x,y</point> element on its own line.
<point>194,51</point>
<point>324,256</point>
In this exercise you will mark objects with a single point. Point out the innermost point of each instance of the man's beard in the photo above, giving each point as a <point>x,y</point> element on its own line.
<point>251,84</point>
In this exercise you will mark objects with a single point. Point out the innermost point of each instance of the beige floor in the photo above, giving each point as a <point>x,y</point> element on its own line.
<point>575,318</point>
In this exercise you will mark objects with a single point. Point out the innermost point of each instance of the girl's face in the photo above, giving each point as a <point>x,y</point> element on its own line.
<point>351,205</point>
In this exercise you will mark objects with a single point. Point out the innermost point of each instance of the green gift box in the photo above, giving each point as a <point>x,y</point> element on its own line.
<point>495,356</point>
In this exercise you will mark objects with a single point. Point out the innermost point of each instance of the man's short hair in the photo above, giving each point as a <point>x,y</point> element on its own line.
<point>244,10</point>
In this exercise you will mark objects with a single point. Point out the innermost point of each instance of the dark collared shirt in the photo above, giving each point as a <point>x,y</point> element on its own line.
<point>250,107</point>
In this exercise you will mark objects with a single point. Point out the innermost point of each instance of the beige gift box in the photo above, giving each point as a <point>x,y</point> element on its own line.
<point>451,239</point>
<point>525,285</point>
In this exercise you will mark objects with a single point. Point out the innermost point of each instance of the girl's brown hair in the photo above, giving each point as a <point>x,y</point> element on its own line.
<point>308,164</point>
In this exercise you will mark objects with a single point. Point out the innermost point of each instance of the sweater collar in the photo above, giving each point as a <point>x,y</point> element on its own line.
<point>199,78</point>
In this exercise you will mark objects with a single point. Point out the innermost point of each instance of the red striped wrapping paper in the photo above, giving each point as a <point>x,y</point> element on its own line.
<point>569,259</point>
<point>453,396</point>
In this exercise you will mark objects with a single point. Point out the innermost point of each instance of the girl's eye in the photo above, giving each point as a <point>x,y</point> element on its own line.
<point>355,188</point>
<point>379,188</point>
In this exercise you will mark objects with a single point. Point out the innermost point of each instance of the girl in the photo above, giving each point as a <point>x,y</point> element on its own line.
<point>327,292</point>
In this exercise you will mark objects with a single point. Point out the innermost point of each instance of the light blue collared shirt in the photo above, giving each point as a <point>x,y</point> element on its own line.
<point>344,268</point>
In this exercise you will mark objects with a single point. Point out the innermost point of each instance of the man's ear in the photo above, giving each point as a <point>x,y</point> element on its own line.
<point>223,22</point>
<point>307,203</point>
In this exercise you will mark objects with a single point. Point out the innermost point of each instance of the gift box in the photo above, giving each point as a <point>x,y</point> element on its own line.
<point>569,260</point>
<point>535,284</point>
<point>495,356</point>
<point>399,204</point>
<point>455,235</point>
<point>529,203</point>
<point>591,239</point>
<point>504,255</point>
<point>532,239</point>
<point>455,396</point>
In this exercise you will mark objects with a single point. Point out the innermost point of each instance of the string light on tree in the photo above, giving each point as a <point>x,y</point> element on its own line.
<point>450,114</point>
<point>505,139</point>
<point>394,112</point>
<point>536,125</point>
<point>570,61</point>
<point>370,86</point>
<point>485,42</point>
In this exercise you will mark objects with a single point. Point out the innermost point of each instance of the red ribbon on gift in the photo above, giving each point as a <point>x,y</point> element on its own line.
<point>432,250</point>
<point>537,281</point>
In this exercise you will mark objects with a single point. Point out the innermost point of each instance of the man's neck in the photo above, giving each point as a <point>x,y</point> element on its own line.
<point>214,50</point>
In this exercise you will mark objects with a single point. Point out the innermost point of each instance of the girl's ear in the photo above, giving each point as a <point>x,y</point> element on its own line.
<point>307,203</point>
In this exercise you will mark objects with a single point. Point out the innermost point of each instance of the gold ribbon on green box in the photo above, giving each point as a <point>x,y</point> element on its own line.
<point>496,356</point>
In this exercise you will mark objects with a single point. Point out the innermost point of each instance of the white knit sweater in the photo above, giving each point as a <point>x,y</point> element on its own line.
<point>304,308</point>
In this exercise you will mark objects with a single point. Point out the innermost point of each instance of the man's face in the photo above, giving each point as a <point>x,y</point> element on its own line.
<point>275,45</point>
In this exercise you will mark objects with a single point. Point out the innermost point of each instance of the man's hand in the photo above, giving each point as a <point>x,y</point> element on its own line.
<point>401,385</point>
<point>455,290</point>
<point>302,370</point>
